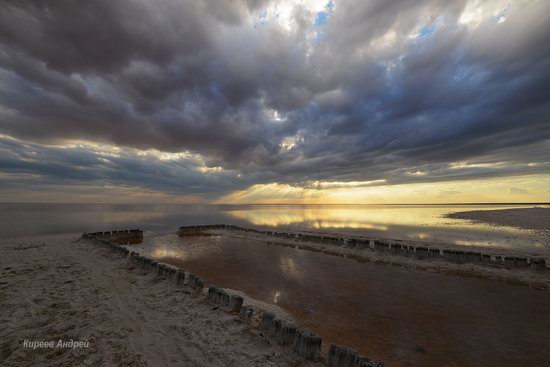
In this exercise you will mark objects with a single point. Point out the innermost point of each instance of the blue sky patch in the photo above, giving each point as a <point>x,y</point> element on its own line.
<point>321,18</point>
<point>428,30</point>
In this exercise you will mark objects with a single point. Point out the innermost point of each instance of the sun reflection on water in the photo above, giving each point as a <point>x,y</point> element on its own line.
<point>160,252</point>
<point>379,218</point>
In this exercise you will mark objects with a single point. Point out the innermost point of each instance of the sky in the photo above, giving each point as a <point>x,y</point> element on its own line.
<point>258,101</point>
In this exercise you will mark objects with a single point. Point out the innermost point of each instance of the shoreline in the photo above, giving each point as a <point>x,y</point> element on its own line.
<point>57,287</point>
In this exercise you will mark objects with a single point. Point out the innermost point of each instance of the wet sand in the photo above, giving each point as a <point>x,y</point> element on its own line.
<point>54,287</point>
<point>528,218</point>
<point>403,317</point>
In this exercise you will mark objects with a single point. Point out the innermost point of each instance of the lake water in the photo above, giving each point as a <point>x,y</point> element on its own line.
<point>403,317</point>
<point>413,222</point>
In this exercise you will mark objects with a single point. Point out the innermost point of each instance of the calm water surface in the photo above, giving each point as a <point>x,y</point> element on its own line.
<point>400,316</point>
<point>415,222</point>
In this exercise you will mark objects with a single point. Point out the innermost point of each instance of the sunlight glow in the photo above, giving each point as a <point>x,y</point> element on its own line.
<point>532,188</point>
<point>478,11</point>
<point>283,12</point>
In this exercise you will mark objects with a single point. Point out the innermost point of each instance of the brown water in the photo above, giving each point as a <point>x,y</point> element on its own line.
<point>399,316</point>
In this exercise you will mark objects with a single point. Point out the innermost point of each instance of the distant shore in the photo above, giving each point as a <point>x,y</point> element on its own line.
<point>528,218</point>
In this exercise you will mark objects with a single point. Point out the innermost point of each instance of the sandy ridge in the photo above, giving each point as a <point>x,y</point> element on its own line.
<point>537,218</point>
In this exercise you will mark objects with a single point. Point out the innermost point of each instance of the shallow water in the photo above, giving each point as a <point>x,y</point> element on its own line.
<point>415,222</point>
<point>402,317</point>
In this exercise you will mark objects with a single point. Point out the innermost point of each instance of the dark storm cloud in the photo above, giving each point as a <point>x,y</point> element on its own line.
<point>395,91</point>
<point>85,165</point>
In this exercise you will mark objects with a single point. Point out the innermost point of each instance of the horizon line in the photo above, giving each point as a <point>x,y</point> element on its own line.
<point>281,204</point>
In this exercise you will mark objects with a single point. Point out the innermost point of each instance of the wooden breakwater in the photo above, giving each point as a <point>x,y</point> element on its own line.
<point>121,237</point>
<point>420,252</point>
<point>283,332</point>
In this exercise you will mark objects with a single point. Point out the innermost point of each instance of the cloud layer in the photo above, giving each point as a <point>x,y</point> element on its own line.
<point>209,97</point>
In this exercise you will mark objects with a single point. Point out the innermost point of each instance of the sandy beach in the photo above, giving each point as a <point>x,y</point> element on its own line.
<point>529,218</point>
<point>61,288</point>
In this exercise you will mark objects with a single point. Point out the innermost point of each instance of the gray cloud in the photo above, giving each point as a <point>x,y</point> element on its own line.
<point>383,91</point>
<point>51,166</point>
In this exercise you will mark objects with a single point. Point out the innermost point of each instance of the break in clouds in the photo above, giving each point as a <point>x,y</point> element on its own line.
<point>208,97</point>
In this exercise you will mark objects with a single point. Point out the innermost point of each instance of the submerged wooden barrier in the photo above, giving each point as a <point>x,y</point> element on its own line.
<point>302,342</point>
<point>458,256</point>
